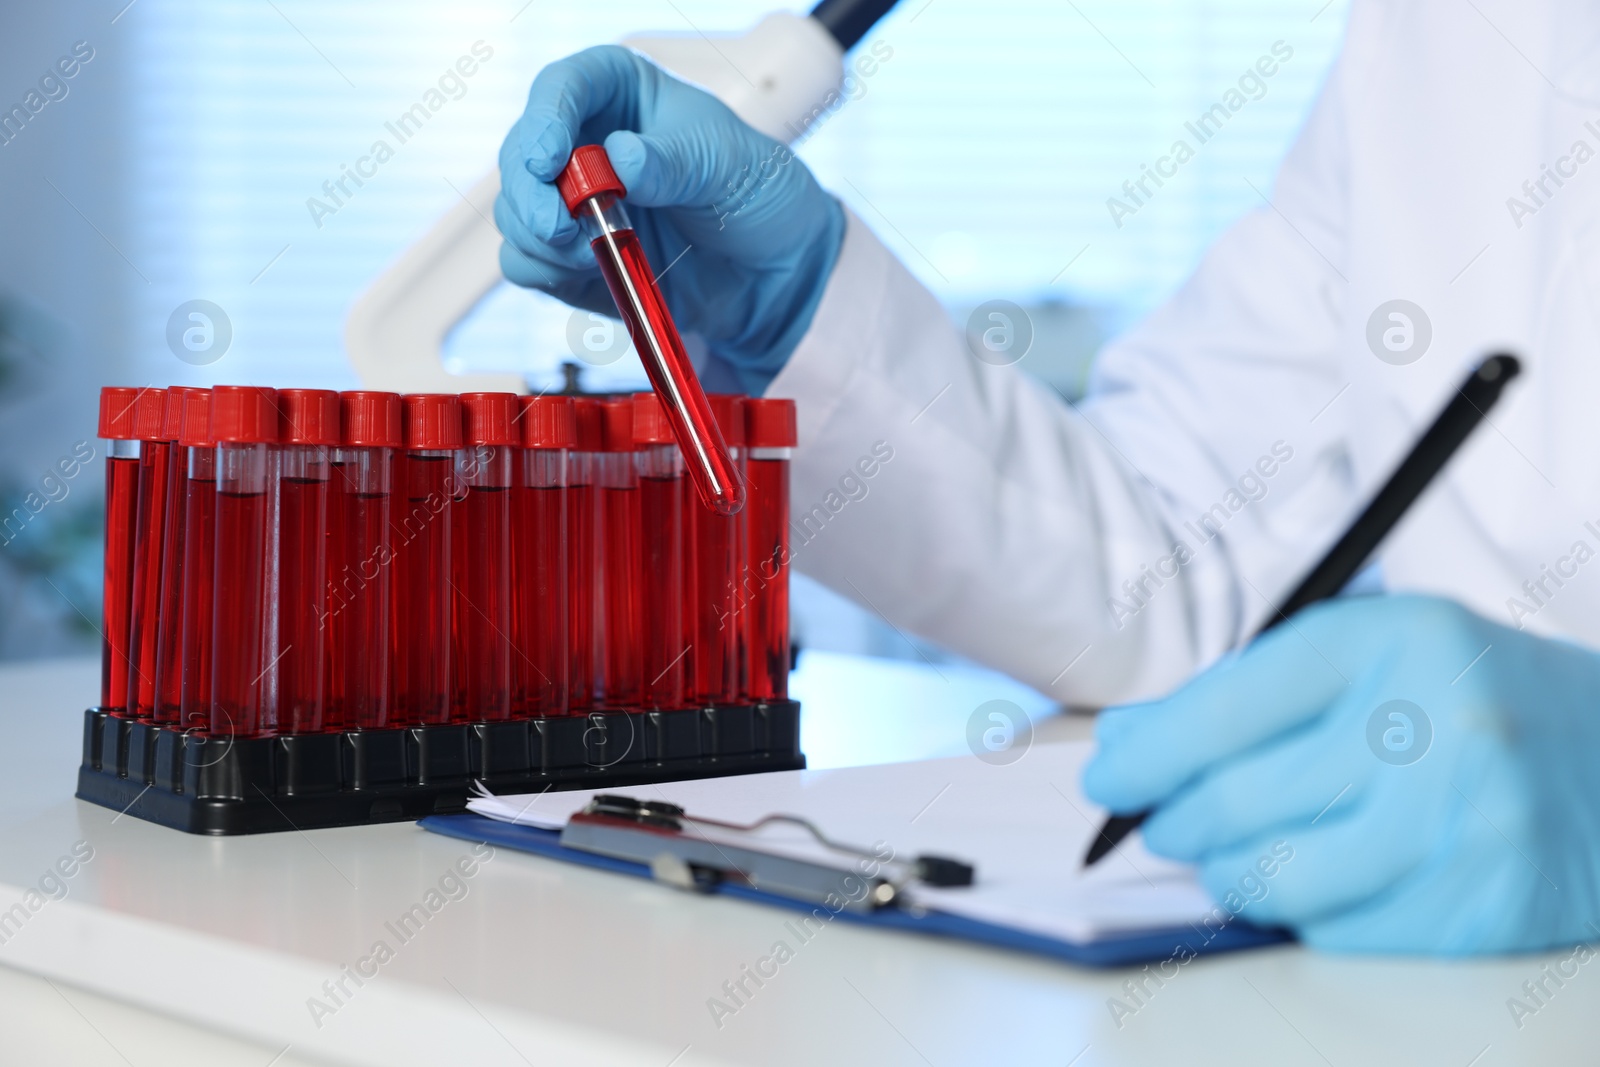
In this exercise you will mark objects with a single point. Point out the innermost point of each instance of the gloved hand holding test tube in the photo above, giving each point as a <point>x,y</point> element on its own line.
<point>744,236</point>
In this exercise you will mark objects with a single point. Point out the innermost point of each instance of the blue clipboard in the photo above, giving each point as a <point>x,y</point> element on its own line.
<point>1147,947</point>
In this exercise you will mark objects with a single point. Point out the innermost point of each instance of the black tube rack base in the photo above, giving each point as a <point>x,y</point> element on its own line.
<point>205,784</point>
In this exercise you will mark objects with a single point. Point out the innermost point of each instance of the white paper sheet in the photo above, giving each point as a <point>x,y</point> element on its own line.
<point>1024,826</point>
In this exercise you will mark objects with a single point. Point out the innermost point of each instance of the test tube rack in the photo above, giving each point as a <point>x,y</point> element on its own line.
<point>279,701</point>
<point>210,784</point>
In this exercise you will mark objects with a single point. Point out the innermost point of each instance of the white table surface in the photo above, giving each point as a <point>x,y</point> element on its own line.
<point>174,949</point>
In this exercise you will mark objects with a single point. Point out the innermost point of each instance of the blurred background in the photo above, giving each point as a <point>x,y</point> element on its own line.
<point>178,163</point>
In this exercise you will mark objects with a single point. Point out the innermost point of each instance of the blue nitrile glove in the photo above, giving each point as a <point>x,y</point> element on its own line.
<point>1464,821</point>
<point>739,230</point>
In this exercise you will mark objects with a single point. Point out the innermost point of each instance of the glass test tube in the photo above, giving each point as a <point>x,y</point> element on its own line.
<point>169,614</point>
<point>360,560</point>
<point>122,497</point>
<point>150,523</point>
<point>661,555</point>
<point>483,557</point>
<point>431,425</point>
<point>539,557</point>
<point>308,433</point>
<point>244,421</point>
<point>592,193</point>
<point>199,560</point>
<point>770,438</point>
<point>618,683</point>
<point>583,550</point>
<point>714,552</point>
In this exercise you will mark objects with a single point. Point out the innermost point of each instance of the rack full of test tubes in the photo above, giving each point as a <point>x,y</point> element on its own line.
<point>328,609</point>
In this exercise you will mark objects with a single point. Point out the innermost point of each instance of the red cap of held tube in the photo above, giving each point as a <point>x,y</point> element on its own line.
<point>150,414</point>
<point>769,423</point>
<point>490,418</point>
<point>116,412</point>
<point>650,426</point>
<point>308,417</point>
<point>588,420</point>
<point>195,432</point>
<point>244,414</point>
<point>616,424</point>
<point>548,422</point>
<point>432,421</point>
<point>588,173</point>
<point>371,419</point>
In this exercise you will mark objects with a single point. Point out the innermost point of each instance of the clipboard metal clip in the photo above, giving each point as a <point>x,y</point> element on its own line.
<point>679,853</point>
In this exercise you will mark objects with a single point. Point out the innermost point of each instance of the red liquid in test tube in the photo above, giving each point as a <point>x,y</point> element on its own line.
<point>619,643</point>
<point>334,597</point>
<point>770,439</point>
<point>458,583</point>
<point>150,523</point>
<point>244,421</point>
<point>583,550</point>
<point>122,497</point>
<point>714,562</point>
<point>592,193</point>
<point>539,557</point>
<point>483,569</point>
<point>361,577</point>
<point>199,560</point>
<point>661,559</point>
<point>169,615</point>
<point>308,433</point>
<point>422,593</point>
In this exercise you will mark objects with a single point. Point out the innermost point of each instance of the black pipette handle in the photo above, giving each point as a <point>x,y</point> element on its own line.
<point>1350,553</point>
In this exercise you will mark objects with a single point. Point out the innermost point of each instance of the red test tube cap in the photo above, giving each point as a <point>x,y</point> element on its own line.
<point>150,414</point>
<point>588,173</point>
<point>616,424</point>
<point>769,423</point>
<point>548,422</point>
<point>308,417</point>
<point>432,421</point>
<point>728,410</point>
<point>490,418</point>
<point>650,425</point>
<point>244,414</point>
<point>116,412</point>
<point>371,419</point>
<point>172,416</point>
<point>587,419</point>
<point>196,429</point>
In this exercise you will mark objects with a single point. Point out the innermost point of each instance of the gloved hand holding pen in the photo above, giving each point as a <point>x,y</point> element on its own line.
<point>740,233</point>
<point>1434,773</point>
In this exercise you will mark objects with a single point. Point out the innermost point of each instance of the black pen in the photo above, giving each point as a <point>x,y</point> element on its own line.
<point>1427,457</point>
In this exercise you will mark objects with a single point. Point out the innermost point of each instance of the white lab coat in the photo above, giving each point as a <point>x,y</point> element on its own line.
<point>1006,523</point>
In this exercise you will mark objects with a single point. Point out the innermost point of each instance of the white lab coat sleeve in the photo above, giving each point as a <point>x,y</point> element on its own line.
<point>968,503</point>
<point>1227,397</point>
